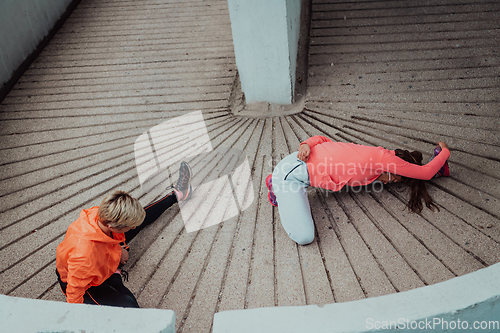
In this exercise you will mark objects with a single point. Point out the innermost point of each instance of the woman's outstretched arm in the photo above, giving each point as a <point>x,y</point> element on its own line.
<point>401,167</point>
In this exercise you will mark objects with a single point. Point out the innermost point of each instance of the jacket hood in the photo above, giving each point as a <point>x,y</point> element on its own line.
<point>86,227</point>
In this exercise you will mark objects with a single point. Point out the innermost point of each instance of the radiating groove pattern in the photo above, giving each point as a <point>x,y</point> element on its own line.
<point>398,74</point>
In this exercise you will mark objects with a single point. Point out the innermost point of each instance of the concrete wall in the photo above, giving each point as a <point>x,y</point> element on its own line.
<point>30,315</point>
<point>265,37</point>
<point>23,24</point>
<point>470,303</point>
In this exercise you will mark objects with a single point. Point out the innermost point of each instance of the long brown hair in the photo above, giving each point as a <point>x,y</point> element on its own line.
<point>418,188</point>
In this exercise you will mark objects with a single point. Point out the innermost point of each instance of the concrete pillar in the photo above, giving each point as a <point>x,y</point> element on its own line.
<point>265,37</point>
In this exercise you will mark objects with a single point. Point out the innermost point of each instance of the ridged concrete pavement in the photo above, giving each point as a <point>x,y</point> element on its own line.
<point>398,74</point>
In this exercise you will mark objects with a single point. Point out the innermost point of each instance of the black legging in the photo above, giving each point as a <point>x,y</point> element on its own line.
<point>112,292</point>
<point>153,211</point>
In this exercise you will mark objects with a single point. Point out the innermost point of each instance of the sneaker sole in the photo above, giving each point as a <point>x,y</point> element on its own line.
<point>189,188</point>
<point>269,196</point>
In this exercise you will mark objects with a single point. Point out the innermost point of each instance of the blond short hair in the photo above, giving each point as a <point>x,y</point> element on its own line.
<point>120,210</point>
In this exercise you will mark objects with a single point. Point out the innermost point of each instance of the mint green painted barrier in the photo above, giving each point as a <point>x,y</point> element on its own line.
<point>21,315</point>
<point>470,303</point>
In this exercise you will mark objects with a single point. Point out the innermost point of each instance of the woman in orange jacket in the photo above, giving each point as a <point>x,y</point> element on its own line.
<point>94,246</point>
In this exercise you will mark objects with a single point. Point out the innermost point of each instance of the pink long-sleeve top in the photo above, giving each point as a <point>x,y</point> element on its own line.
<point>332,165</point>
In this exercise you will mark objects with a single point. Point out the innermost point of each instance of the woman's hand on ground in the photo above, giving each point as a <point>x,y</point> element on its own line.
<point>443,145</point>
<point>304,151</point>
<point>124,257</point>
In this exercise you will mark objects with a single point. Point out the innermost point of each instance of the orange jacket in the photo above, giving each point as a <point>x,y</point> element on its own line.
<point>87,256</point>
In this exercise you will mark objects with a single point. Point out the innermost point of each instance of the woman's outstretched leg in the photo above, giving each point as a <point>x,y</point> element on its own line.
<point>181,191</point>
<point>153,211</point>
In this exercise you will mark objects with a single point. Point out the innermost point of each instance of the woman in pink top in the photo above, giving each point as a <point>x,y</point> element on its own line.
<point>320,162</point>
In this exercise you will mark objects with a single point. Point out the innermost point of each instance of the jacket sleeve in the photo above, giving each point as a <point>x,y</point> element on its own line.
<point>74,294</point>
<point>315,140</point>
<point>78,279</point>
<point>400,167</point>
